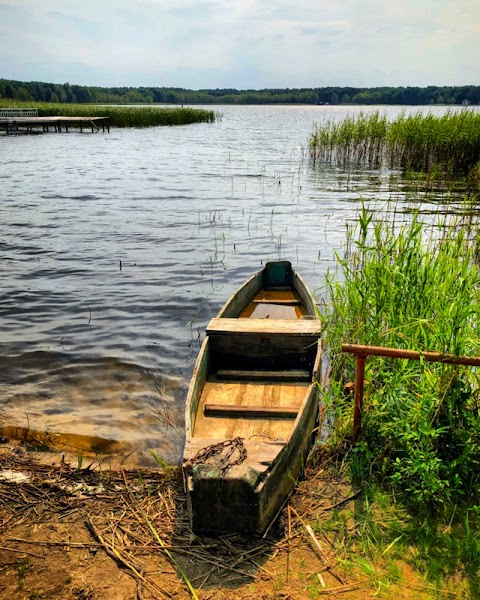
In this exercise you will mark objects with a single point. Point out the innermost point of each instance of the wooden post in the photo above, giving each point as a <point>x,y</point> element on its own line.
<point>359,384</point>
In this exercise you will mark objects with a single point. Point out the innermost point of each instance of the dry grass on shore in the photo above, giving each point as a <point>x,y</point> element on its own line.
<point>68,533</point>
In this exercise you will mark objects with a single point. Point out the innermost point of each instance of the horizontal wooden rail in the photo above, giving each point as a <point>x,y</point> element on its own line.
<point>362,352</point>
<point>265,327</point>
<point>9,113</point>
<point>410,354</point>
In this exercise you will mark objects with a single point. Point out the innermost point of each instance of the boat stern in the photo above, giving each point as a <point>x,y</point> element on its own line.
<point>220,502</point>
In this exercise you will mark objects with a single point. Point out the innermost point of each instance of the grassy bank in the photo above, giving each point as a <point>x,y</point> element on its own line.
<point>420,142</point>
<point>412,286</point>
<point>121,116</point>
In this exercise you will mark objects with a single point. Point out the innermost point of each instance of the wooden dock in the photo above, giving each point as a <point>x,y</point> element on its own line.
<point>18,121</point>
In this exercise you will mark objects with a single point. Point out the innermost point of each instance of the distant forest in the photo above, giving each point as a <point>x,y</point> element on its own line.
<point>54,92</point>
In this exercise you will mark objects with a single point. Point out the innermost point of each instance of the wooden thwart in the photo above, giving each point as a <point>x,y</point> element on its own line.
<point>286,301</point>
<point>254,412</point>
<point>261,375</point>
<point>274,327</point>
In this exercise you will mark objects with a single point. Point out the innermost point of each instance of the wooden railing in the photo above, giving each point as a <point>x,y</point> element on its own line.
<point>363,352</point>
<point>11,113</point>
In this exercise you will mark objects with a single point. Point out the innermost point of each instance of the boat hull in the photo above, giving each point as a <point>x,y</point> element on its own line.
<point>251,408</point>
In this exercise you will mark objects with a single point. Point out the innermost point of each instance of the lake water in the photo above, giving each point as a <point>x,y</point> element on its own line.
<point>116,249</point>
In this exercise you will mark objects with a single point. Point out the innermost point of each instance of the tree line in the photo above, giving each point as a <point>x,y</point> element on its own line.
<point>65,93</point>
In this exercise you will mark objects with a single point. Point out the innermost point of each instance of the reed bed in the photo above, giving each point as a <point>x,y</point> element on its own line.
<point>355,140</point>
<point>121,116</point>
<point>420,142</point>
<point>417,287</point>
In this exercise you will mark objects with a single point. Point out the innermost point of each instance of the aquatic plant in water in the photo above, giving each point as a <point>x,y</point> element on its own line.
<point>418,142</point>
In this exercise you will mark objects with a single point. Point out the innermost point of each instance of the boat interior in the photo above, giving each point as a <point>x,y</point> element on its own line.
<point>260,358</point>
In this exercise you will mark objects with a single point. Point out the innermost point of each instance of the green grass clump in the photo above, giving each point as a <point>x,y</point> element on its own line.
<point>419,142</point>
<point>358,141</point>
<point>120,116</point>
<point>414,287</point>
<point>423,142</point>
<point>376,538</point>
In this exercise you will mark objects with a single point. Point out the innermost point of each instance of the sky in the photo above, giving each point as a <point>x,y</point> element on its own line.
<point>243,44</point>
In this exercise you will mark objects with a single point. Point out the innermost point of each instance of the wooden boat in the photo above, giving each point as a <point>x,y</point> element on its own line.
<point>252,404</point>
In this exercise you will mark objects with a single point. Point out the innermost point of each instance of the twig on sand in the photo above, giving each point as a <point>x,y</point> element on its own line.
<point>340,502</point>
<point>145,518</point>
<point>347,587</point>
<point>21,552</point>
<point>329,565</point>
<point>124,563</point>
<point>289,513</point>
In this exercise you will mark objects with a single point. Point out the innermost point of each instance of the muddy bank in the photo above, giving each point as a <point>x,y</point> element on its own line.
<point>92,533</point>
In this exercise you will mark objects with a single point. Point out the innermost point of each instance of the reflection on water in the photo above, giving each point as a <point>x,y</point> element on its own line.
<point>115,251</point>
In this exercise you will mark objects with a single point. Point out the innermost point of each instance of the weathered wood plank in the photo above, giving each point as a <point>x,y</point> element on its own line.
<point>273,490</point>
<point>271,327</point>
<point>200,373</point>
<point>286,301</point>
<point>248,394</point>
<point>237,302</point>
<point>250,412</point>
<point>259,375</point>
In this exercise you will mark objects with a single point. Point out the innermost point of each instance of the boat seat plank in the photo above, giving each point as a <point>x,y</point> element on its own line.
<point>255,412</point>
<point>263,375</point>
<point>297,327</point>
<point>258,445</point>
<point>280,394</point>
<point>286,301</point>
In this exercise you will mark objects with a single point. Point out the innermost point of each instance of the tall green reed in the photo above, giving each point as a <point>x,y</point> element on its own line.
<point>414,286</point>
<point>419,142</point>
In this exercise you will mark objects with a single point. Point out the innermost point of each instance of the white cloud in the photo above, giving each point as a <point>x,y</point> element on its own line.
<point>241,43</point>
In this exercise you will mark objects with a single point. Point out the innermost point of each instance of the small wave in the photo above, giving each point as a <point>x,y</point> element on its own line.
<point>81,197</point>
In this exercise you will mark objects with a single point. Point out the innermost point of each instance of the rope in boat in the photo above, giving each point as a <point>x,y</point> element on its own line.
<point>215,451</point>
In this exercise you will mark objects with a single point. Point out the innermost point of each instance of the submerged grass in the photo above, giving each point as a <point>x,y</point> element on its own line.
<point>419,142</point>
<point>120,116</point>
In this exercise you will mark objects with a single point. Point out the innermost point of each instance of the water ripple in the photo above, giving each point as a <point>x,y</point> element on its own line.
<point>117,249</point>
